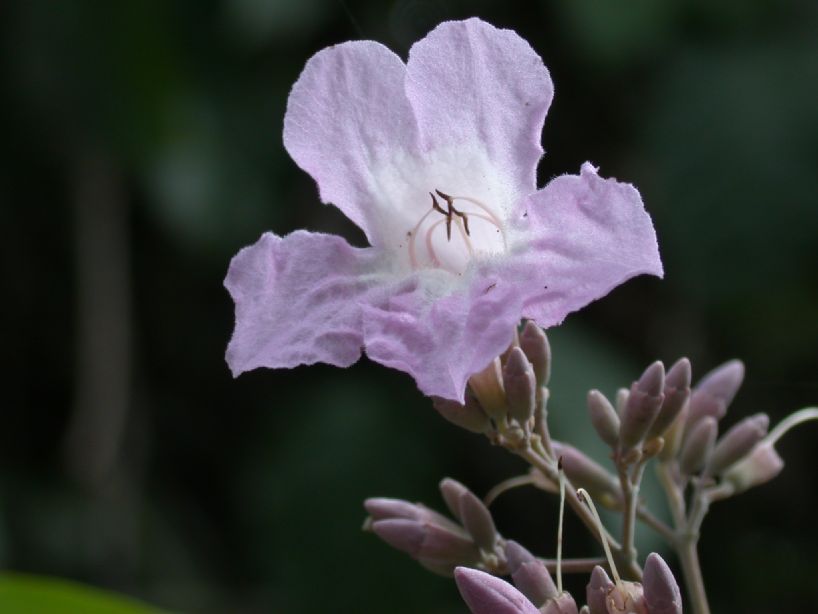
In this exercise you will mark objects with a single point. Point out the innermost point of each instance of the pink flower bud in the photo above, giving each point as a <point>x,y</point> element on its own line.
<point>469,416</point>
<point>520,386</point>
<point>596,593</point>
<point>477,521</point>
<point>438,545</point>
<point>661,591</point>
<point>715,391</point>
<point>677,394</point>
<point>698,446</point>
<point>603,417</point>
<point>383,508</point>
<point>759,467</point>
<point>642,407</point>
<point>530,576</point>
<point>487,386</point>
<point>738,442</point>
<point>534,343</point>
<point>451,490</point>
<point>485,594</point>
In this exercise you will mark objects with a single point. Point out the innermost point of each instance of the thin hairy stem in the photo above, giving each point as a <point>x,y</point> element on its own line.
<point>689,557</point>
<point>687,534</point>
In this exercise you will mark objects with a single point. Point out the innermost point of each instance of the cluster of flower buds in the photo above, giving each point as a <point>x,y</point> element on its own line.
<point>635,429</point>
<point>534,592</point>
<point>502,399</point>
<point>439,543</point>
<point>661,415</point>
<point>691,439</point>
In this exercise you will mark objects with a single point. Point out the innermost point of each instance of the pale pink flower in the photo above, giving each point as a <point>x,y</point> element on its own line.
<point>436,161</point>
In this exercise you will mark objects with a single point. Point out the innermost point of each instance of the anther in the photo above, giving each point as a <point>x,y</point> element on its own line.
<point>451,211</point>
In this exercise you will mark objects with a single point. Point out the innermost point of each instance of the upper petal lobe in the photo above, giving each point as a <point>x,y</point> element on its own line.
<point>346,114</point>
<point>471,82</point>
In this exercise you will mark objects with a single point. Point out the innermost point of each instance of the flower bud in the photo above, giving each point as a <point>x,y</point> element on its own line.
<point>384,508</point>
<point>520,386</point>
<point>588,474</point>
<point>451,491</point>
<point>441,547</point>
<point>759,467</point>
<point>677,394</point>
<point>714,393</point>
<point>487,386</point>
<point>530,576</point>
<point>674,435</point>
<point>603,417</point>
<point>486,594</point>
<point>477,521</point>
<point>469,416</point>
<point>738,442</point>
<point>596,593</point>
<point>643,405</point>
<point>698,446</point>
<point>660,589</point>
<point>621,400</point>
<point>563,604</point>
<point>534,343</point>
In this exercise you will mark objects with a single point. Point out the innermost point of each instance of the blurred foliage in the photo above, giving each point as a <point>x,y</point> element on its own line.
<point>24,594</point>
<point>244,496</point>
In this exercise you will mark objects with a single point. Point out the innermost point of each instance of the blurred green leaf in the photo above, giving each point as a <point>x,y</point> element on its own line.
<point>24,594</point>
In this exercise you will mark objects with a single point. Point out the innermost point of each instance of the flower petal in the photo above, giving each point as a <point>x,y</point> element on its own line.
<point>346,114</point>
<point>585,236</point>
<point>298,301</point>
<point>472,83</point>
<point>442,342</point>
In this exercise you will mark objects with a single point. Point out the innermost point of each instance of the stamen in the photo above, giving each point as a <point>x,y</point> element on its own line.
<point>452,211</point>
<point>584,496</point>
<point>436,206</point>
<point>461,220</point>
<point>412,234</point>
<point>790,422</point>
<point>464,233</point>
<point>559,527</point>
<point>429,245</point>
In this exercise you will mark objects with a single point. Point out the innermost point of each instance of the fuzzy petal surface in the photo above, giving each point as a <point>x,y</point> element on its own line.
<point>298,301</point>
<point>441,342</point>
<point>584,235</point>
<point>346,114</point>
<point>486,594</point>
<point>469,82</point>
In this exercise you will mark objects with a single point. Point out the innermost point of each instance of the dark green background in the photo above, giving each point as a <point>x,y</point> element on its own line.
<point>142,148</point>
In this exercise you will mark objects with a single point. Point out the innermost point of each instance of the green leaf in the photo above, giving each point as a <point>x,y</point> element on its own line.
<point>25,594</point>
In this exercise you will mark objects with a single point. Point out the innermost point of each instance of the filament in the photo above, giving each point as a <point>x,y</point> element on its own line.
<point>412,234</point>
<point>559,527</point>
<point>790,422</point>
<point>584,496</point>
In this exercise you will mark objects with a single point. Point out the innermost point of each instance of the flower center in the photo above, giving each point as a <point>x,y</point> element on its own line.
<point>452,232</point>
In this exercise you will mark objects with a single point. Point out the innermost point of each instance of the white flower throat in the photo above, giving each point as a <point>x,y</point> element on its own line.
<point>452,232</point>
